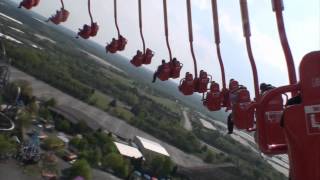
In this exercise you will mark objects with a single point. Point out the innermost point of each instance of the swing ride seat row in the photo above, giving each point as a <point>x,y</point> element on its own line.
<point>279,128</point>
<point>189,85</point>
<point>120,43</point>
<point>60,16</point>
<point>170,69</point>
<point>28,4</point>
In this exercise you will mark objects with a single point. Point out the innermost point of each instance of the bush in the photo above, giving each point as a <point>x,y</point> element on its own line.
<point>80,168</point>
<point>53,143</point>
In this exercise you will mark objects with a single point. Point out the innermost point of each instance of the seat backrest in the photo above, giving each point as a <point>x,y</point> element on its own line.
<point>302,122</point>
<point>94,29</point>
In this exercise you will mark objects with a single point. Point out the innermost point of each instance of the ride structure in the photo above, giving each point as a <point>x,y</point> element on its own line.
<point>190,84</point>
<point>172,68</point>
<point>89,30</point>
<point>61,15</point>
<point>292,127</point>
<point>145,56</point>
<point>215,99</point>
<point>120,43</point>
<point>28,4</point>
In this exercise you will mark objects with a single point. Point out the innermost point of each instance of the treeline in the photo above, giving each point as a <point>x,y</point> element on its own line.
<point>47,68</point>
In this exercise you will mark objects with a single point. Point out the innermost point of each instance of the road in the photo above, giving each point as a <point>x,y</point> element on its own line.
<point>186,121</point>
<point>99,118</point>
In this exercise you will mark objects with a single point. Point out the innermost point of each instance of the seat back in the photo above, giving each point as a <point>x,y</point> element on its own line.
<point>85,32</point>
<point>242,119</point>
<point>65,15</point>
<point>148,56</point>
<point>302,122</point>
<point>164,72</point>
<point>137,60</point>
<point>122,43</point>
<point>175,69</point>
<point>270,135</point>
<point>113,46</point>
<point>36,2</point>
<point>94,29</point>
<point>201,83</point>
<point>187,85</point>
<point>28,4</point>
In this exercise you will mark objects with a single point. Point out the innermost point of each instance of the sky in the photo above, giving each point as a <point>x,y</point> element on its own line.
<point>302,21</point>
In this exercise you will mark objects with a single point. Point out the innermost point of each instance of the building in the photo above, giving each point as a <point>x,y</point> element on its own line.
<point>128,151</point>
<point>150,148</point>
<point>207,124</point>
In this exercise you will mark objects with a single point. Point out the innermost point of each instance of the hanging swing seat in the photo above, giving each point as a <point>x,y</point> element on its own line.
<point>94,29</point>
<point>137,60</point>
<point>175,67</point>
<point>122,42</point>
<point>28,4</point>
<point>213,98</point>
<point>201,83</point>
<point>85,32</point>
<point>113,46</point>
<point>164,72</point>
<point>242,118</point>
<point>187,84</point>
<point>148,56</point>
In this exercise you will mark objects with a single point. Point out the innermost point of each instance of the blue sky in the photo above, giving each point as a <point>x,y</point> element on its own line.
<point>302,20</point>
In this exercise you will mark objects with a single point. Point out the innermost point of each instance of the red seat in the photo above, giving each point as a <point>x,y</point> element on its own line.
<point>175,67</point>
<point>201,83</point>
<point>148,56</point>
<point>122,43</point>
<point>164,72</point>
<point>242,118</point>
<point>302,122</point>
<point>269,134</point>
<point>85,32</point>
<point>36,2</point>
<point>229,96</point>
<point>94,29</point>
<point>113,46</point>
<point>65,15</point>
<point>57,18</point>
<point>213,98</point>
<point>225,99</point>
<point>137,60</point>
<point>187,84</point>
<point>28,4</point>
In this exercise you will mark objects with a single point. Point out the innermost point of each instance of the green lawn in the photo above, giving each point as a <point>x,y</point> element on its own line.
<point>172,105</point>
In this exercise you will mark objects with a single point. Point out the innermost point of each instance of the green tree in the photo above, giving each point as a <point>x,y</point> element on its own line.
<point>116,162</point>
<point>51,102</point>
<point>53,143</point>
<point>63,125</point>
<point>209,157</point>
<point>6,146</point>
<point>80,168</point>
<point>160,165</point>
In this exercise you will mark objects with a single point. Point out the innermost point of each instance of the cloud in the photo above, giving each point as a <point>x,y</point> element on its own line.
<point>201,4</point>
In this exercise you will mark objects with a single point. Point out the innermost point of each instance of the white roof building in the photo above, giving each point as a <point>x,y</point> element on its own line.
<point>128,151</point>
<point>207,124</point>
<point>152,146</point>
